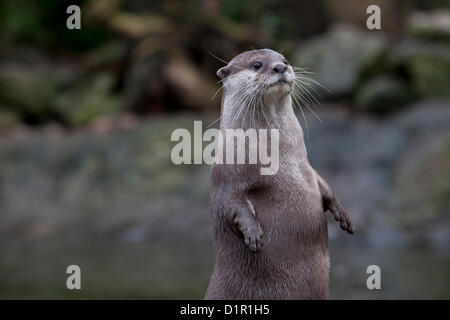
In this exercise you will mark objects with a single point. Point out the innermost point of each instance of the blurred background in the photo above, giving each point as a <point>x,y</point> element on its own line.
<point>86,117</point>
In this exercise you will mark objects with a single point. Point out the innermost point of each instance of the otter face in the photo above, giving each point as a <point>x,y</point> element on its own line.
<point>258,73</point>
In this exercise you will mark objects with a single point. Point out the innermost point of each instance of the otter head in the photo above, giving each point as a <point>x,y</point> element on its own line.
<point>257,75</point>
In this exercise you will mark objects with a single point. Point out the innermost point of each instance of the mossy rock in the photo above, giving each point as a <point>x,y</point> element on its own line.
<point>339,57</point>
<point>108,53</point>
<point>433,25</point>
<point>89,99</point>
<point>431,75</point>
<point>422,197</point>
<point>7,119</point>
<point>27,95</point>
<point>382,95</point>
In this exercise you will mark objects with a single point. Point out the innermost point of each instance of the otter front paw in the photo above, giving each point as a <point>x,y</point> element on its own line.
<point>253,238</point>
<point>340,214</point>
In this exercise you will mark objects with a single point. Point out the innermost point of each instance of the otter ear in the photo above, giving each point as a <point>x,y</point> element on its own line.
<point>223,72</point>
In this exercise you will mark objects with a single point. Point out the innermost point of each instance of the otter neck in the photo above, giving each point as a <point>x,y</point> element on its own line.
<point>266,114</point>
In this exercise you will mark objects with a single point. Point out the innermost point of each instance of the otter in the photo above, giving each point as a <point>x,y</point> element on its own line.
<point>269,231</point>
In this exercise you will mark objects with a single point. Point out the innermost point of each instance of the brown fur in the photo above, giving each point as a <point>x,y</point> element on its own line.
<point>270,232</point>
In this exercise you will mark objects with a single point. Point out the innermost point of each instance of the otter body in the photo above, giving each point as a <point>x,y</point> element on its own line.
<point>270,231</point>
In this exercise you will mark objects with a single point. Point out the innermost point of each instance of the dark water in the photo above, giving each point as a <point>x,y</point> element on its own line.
<point>146,271</point>
<point>406,273</point>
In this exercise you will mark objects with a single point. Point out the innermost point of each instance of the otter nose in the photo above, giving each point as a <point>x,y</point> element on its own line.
<point>280,68</point>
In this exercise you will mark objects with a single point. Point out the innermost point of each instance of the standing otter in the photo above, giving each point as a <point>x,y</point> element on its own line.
<point>270,231</point>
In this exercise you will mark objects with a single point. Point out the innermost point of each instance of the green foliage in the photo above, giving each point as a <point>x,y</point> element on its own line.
<point>273,17</point>
<point>116,35</point>
<point>431,75</point>
<point>383,94</point>
<point>44,22</point>
<point>20,21</point>
<point>87,100</point>
<point>7,119</point>
<point>26,95</point>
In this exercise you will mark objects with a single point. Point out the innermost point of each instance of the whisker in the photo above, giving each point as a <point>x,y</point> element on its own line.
<point>310,86</point>
<point>305,92</point>
<point>311,80</point>
<point>226,62</point>
<point>215,94</point>
<point>261,100</point>
<point>302,69</point>
<point>303,115</point>
<point>314,114</point>
<point>308,94</point>
<point>214,121</point>
<point>244,102</point>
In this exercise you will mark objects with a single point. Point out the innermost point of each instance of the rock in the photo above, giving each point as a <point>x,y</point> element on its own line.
<point>365,155</point>
<point>409,48</point>
<point>89,99</point>
<point>85,190</point>
<point>422,191</point>
<point>433,25</point>
<point>26,94</point>
<point>7,119</point>
<point>419,204</point>
<point>340,56</point>
<point>108,53</point>
<point>30,82</point>
<point>383,94</point>
<point>431,75</point>
<point>354,12</point>
<point>427,63</point>
<point>426,53</point>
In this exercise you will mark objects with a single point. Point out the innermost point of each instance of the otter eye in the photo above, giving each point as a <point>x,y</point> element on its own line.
<point>257,65</point>
<point>285,62</point>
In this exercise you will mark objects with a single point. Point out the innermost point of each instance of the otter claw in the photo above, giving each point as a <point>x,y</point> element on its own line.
<point>346,225</point>
<point>341,216</point>
<point>253,239</point>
